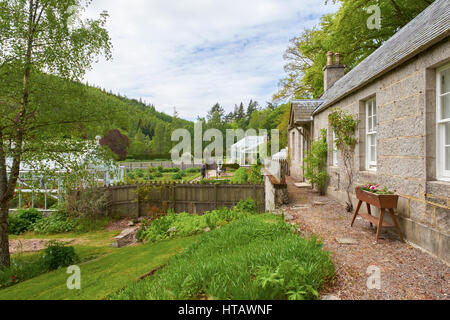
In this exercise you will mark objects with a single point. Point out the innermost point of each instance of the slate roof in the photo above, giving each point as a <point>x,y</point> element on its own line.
<point>427,29</point>
<point>302,110</point>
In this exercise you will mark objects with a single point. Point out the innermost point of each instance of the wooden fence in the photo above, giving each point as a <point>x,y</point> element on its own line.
<point>154,199</point>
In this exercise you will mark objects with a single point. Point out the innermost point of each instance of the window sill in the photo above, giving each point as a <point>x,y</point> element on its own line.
<point>368,172</point>
<point>440,182</point>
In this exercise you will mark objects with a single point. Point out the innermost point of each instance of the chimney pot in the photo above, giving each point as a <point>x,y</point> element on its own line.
<point>329,58</point>
<point>337,58</point>
<point>333,72</point>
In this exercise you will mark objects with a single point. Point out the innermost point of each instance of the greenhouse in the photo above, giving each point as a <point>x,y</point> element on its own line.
<point>41,183</point>
<point>245,152</point>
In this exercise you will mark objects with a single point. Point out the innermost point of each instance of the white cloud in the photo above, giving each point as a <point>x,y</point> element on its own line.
<point>194,53</point>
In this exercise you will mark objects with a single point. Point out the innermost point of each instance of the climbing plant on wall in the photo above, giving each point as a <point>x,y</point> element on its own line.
<point>344,126</point>
<point>316,163</point>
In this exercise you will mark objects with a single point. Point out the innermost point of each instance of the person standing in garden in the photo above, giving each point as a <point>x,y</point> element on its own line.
<point>203,170</point>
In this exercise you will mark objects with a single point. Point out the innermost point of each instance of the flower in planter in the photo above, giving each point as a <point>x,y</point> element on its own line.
<point>374,188</point>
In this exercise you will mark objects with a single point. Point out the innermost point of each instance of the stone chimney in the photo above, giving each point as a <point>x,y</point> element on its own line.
<point>333,71</point>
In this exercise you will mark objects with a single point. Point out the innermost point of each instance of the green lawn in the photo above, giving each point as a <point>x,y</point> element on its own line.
<point>102,277</point>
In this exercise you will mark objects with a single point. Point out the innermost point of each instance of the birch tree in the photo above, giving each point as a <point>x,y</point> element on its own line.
<point>44,48</point>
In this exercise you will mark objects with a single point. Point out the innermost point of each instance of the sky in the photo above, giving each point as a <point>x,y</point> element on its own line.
<point>190,54</point>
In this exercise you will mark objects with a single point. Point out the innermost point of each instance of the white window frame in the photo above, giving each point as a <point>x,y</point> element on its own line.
<point>300,148</point>
<point>294,145</point>
<point>371,121</point>
<point>442,174</point>
<point>335,152</point>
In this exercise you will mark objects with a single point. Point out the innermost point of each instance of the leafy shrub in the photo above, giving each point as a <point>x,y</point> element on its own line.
<point>316,162</point>
<point>169,170</point>
<point>61,222</point>
<point>140,173</point>
<point>253,258</point>
<point>159,174</point>
<point>179,175</point>
<point>16,225</point>
<point>30,215</point>
<point>240,177</point>
<point>248,205</point>
<point>58,255</point>
<point>344,126</point>
<point>88,203</point>
<point>193,170</point>
<point>255,176</point>
<point>23,220</point>
<point>57,222</point>
<point>131,175</point>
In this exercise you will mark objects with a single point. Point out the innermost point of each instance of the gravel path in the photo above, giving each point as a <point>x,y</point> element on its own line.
<point>32,245</point>
<point>407,273</point>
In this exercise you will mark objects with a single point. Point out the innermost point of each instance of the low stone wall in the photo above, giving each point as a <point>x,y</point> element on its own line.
<point>276,192</point>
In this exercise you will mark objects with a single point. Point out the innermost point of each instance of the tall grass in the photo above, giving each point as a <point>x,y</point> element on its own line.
<point>256,257</point>
<point>185,224</point>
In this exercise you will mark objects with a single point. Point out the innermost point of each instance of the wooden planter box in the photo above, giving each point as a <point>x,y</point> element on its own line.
<point>381,201</point>
<point>385,202</point>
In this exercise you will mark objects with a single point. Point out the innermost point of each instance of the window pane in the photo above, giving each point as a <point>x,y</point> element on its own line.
<point>445,81</point>
<point>445,106</point>
<point>373,140</point>
<point>373,152</point>
<point>447,133</point>
<point>374,122</point>
<point>447,158</point>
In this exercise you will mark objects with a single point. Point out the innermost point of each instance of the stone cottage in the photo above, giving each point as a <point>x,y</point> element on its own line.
<point>401,96</point>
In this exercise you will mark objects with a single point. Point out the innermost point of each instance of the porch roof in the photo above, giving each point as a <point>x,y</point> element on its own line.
<point>302,111</point>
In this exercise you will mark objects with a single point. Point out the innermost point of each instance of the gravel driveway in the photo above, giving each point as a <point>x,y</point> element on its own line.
<point>407,273</point>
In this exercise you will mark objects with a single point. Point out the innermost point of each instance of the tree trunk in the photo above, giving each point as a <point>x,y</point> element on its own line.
<point>349,170</point>
<point>4,242</point>
<point>8,186</point>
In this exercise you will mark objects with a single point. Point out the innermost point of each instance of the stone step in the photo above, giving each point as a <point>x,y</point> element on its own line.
<point>303,185</point>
